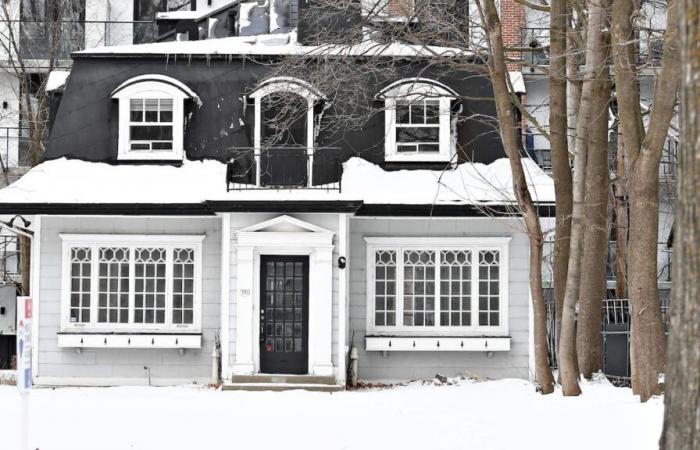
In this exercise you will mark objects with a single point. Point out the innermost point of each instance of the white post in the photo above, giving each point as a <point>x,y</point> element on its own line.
<point>24,427</point>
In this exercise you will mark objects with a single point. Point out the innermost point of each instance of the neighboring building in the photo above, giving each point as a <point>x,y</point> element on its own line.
<point>168,228</point>
<point>535,35</point>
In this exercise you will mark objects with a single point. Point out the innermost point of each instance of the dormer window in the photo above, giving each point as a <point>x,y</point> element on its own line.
<point>151,118</point>
<point>417,121</point>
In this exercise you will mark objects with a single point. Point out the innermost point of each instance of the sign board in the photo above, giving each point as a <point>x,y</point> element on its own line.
<point>24,343</point>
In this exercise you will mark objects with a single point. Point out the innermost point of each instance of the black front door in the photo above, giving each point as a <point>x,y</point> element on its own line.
<point>284,314</point>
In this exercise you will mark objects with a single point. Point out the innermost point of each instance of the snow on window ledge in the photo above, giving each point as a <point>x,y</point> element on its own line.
<point>129,340</point>
<point>437,344</point>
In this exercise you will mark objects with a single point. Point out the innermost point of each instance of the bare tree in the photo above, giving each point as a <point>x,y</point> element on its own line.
<point>681,414</point>
<point>559,136</point>
<point>643,149</point>
<point>593,82</point>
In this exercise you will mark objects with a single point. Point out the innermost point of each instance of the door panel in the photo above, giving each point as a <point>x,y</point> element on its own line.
<point>284,314</point>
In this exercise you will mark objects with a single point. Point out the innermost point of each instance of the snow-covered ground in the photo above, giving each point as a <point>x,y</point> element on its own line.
<point>504,415</point>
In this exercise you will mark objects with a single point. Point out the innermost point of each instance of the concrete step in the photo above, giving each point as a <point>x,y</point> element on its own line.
<point>284,379</point>
<point>277,387</point>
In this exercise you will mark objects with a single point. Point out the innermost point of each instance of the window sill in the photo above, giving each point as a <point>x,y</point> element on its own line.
<point>129,340</point>
<point>436,158</point>
<point>437,344</point>
<point>150,156</point>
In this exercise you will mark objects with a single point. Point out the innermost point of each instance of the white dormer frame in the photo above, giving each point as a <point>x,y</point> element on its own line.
<point>152,87</point>
<point>410,89</point>
<point>296,86</point>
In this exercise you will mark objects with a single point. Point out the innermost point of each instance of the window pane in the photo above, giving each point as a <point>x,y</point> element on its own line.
<point>136,109</point>
<point>151,133</point>
<point>455,288</point>
<point>183,284</point>
<point>384,288</point>
<point>418,134</point>
<point>402,113</point>
<point>150,264</point>
<point>166,110</point>
<point>151,109</point>
<point>80,285</point>
<point>419,305</point>
<point>489,277</point>
<point>432,111</point>
<point>114,272</point>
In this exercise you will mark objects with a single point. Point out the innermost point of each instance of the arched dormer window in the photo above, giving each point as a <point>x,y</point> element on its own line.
<point>284,131</point>
<point>151,118</point>
<point>417,121</point>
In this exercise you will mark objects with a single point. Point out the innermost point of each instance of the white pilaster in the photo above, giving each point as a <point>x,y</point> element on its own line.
<point>245,260</point>
<point>321,311</point>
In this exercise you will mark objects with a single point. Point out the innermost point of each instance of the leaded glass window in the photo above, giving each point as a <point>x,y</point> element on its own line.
<point>113,281</point>
<point>80,284</point>
<point>489,298</point>
<point>149,285</point>
<point>455,288</point>
<point>183,286</point>
<point>385,288</point>
<point>419,288</point>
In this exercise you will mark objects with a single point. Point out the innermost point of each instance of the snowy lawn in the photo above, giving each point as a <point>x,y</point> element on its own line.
<point>506,414</point>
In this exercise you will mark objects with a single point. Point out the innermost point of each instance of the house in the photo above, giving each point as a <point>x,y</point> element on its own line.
<point>169,227</point>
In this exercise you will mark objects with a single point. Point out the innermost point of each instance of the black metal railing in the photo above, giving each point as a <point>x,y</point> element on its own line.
<point>14,147</point>
<point>284,168</point>
<point>42,39</point>
<point>9,259</point>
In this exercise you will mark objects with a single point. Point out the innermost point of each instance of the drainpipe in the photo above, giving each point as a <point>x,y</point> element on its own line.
<point>354,357</point>
<point>214,366</point>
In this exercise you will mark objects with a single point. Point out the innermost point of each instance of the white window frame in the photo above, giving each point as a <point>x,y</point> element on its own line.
<point>438,244</point>
<point>96,241</point>
<point>151,90</point>
<point>418,89</point>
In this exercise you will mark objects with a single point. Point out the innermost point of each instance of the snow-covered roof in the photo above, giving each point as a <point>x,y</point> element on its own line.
<point>469,183</point>
<point>178,15</point>
<point>273,44</point>
<point>56,80</point>
<point>70,181</point>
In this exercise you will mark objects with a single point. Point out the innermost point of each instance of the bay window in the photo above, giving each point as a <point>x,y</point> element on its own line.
<point>131,283</point>
<point>437,286</point>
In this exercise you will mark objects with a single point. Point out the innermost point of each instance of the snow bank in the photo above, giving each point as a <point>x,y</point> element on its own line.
<point>74,181</point>
<point>471,183</point>
<point>273,44</point>
<point>493,415</point>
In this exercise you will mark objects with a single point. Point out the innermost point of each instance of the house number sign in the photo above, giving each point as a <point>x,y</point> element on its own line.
<point>245,292</point>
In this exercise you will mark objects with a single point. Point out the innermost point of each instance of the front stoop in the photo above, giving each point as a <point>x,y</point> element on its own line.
<point>282,383</point>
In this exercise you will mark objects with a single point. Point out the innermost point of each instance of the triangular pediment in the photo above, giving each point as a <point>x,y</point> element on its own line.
<point>284,224</point>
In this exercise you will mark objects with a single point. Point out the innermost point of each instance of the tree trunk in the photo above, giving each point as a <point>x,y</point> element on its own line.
<point>589,340</point>
<point>558,131</point>
<point>595,58</point>
<point>681,414</point>
<point>25,251</point>
<point>647,329</point>
<point>621,221</point>
<point>507,123</point>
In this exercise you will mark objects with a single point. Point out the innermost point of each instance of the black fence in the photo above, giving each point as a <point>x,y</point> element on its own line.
<point>284,168</point>
<point>14,147</point>
<point>615,330</point>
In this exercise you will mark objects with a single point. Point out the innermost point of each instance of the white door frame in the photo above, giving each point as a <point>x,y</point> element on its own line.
<point>297,238</point>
